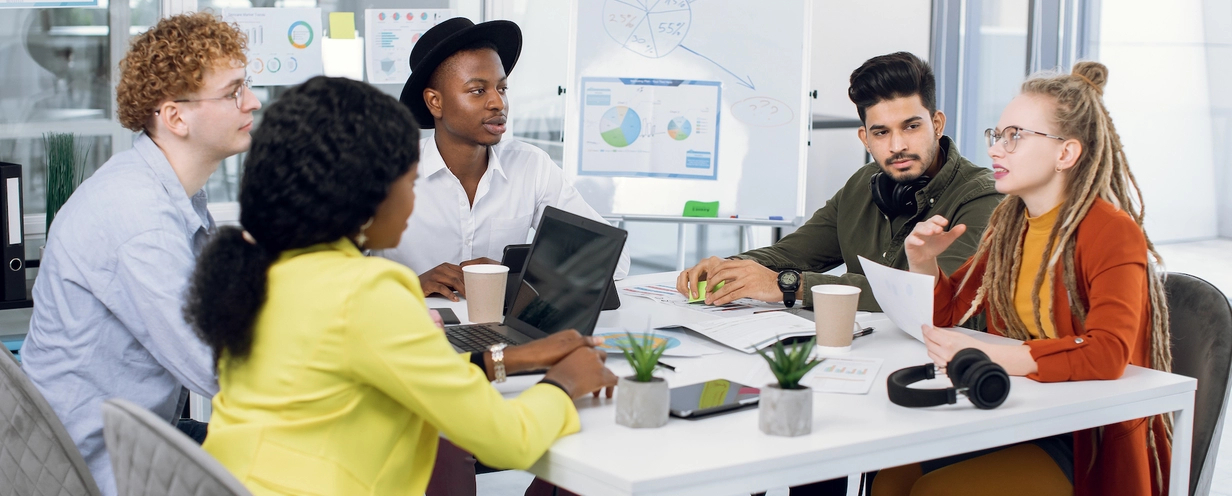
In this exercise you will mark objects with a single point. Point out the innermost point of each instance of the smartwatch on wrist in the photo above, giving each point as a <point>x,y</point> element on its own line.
<point>789,283</point>
<point>498,362</point>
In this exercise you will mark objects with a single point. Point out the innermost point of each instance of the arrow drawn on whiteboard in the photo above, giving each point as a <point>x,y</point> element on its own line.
<point>746,81</point>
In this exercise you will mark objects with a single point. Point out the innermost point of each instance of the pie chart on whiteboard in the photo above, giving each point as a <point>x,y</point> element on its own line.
<point>620,126</point>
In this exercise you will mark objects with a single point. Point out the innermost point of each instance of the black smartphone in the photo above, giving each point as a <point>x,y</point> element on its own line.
<point>447,316</point>
<point>711,397</point>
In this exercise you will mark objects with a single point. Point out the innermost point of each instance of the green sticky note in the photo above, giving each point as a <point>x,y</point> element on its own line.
<point>342,25</point>
<point>701,291</point>
<point>701,209</point>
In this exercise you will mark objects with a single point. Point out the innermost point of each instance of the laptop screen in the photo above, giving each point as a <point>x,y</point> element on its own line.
<point>567,274</point>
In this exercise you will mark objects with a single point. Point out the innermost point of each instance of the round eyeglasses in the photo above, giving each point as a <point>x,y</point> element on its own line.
<point>1010,135</point>
<point>237,95</point>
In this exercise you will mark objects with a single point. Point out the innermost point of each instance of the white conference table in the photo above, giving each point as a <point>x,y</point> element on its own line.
<point>728,454</point>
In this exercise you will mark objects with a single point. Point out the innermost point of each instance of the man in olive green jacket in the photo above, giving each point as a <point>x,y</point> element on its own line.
<point>917,173</point>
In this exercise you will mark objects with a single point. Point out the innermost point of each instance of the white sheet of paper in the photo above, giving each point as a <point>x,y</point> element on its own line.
<point>343,58</point>
<point>907,298</point>
<point>986,337</point>
<point>849,375</point>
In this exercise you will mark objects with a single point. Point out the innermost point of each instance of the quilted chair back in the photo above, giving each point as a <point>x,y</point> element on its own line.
<point>150,457</point>
<point>37,457</point>
<point>1201,321</point>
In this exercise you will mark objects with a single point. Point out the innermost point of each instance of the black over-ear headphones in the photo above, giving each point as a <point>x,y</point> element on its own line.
<point>895,198</point>
<point>974,375</point>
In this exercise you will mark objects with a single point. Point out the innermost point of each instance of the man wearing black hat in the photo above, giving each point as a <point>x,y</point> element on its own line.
<point>477,193</point>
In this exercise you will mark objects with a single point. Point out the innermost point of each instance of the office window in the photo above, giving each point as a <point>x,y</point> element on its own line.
<point>980,57</point>
<point>56,68</point>
<point>999,51</point>
<point>1164,94</point>
<point>536,107</point>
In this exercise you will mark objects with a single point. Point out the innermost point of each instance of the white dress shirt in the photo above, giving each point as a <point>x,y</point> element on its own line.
<point>520,182</point>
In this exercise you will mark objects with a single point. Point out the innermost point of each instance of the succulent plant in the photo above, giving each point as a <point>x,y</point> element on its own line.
<point>643,354</point>
<point>789,366</point>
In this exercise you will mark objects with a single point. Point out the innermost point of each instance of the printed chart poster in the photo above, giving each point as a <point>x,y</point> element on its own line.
<point>649,127</point>
<point>284,44</point>
<point>390,36</point>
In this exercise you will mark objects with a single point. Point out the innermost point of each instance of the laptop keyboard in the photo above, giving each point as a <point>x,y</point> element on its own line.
<point>475,338</point>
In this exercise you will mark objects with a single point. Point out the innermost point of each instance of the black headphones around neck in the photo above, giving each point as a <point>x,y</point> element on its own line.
<point>895,198</point>
<point>974,375</point>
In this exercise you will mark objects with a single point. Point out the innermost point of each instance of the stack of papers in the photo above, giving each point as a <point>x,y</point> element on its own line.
<point>754,332</point>
<point>666,293</point>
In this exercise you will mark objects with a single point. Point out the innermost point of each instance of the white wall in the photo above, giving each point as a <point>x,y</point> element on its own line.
<point>845,34</point>
<point>1159,95</point>
<point>1218,17</point>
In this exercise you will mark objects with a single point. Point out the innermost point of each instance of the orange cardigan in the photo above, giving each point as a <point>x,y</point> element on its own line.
<point>1110,260</point>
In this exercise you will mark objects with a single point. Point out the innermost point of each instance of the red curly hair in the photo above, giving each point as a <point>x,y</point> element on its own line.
<point>170,60</point>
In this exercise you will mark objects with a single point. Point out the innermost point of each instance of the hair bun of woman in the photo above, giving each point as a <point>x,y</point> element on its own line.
<point>1094,73</point>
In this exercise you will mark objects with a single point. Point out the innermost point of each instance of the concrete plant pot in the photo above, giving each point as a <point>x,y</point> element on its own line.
<point>641,404</point>
<point>785,412</point>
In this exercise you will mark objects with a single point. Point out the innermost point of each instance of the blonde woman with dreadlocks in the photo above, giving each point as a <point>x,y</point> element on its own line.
<point>1064,267</point>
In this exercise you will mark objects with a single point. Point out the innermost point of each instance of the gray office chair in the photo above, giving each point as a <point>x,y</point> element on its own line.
<point>150,457</point>
<point>1201,322</point>
<point>36,455</point>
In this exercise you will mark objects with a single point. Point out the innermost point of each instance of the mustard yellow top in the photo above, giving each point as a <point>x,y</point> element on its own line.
<point>349,381</point>
<point>1033,244</point>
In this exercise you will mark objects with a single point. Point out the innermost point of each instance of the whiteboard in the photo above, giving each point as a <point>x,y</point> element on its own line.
<point>642,135</point>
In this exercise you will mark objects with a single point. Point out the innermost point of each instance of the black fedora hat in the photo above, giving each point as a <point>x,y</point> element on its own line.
<point>445,39</point>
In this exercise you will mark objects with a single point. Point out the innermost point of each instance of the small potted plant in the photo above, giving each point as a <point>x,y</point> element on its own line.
<point>642,398</point>
<point>786,408</point>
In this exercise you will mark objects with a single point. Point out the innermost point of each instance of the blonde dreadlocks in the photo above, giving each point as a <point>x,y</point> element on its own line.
<point>1100,172</point>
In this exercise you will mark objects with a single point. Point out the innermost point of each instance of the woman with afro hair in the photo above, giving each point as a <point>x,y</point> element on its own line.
<point>333,377</point>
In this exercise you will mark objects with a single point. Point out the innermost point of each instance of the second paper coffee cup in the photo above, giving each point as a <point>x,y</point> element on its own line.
<point>485,291</point>
<point>834,309</point>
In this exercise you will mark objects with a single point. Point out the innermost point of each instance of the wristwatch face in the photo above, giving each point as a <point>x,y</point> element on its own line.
<point>788,279</point>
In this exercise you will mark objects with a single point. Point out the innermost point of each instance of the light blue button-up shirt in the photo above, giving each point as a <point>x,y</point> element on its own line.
<point>108,301</point>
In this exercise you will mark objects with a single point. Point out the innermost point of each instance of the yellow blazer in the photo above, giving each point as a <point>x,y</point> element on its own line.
<point>349,381</point>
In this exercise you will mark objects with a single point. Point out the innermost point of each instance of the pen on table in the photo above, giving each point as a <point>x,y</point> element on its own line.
<point>774,310</point>
<point>863,332</point>
<point>666,366</point>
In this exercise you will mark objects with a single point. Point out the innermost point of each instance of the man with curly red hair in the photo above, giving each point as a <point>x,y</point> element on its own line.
<point>107,317</point>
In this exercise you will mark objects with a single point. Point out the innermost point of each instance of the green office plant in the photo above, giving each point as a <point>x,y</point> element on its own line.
<point>66,159</point>
<point>786,407</point>
<point>643,354</point>
<point>790,366</point>
<point>642,398</point>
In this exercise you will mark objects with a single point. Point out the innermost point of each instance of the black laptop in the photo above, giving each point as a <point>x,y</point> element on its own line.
<point>563,284</point>
<point>514,257</point>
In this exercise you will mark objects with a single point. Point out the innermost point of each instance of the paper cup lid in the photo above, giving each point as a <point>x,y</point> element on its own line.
<point>835,289</point>
<point>485,269</point>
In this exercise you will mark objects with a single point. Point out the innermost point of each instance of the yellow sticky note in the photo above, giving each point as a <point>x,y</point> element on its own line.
<point>342,25</point>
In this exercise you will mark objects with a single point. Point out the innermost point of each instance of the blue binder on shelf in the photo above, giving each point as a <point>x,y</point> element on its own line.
<point>12,233</point>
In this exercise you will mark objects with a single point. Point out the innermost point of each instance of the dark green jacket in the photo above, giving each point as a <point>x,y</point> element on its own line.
<point>851,225</point>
